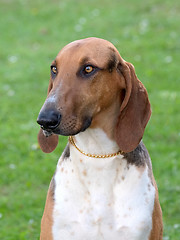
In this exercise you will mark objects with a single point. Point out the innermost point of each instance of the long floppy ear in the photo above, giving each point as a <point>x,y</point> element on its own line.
<point>135,110</point>
<point>47,143</point>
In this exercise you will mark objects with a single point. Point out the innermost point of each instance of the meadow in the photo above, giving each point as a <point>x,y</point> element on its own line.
<point>32,32</point>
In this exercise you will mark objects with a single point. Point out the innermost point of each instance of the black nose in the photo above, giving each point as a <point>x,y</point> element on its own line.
<point>49,119</point>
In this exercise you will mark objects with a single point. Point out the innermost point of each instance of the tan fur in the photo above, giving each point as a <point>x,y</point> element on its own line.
<point>47,219</point>
<point>157,225</point>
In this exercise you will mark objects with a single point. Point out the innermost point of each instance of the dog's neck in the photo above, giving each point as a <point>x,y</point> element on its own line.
<point>98,139</point>
<point>95,141</point>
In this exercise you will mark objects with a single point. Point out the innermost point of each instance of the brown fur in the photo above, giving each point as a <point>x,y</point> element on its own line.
<point>157,225</point>
<point>113,98</point>
<point>113,90</point>
<point>47,219</point>
<point>135,111</point>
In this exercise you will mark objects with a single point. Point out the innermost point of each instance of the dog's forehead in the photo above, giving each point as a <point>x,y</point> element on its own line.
<point>96,49</point>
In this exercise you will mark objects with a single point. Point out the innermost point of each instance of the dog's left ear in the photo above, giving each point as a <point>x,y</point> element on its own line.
<point>135,110</point>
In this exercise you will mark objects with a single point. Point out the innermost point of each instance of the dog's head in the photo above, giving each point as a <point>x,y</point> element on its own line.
<point>89,79</point>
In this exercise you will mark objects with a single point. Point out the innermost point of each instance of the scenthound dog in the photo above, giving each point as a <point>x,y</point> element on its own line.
<point>103,187</point>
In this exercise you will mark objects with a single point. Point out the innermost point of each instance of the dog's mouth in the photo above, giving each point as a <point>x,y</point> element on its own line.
<point>68,128</point>
<point>47,133</point>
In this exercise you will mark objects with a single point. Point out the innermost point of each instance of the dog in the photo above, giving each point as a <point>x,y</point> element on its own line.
<point>103,187</point>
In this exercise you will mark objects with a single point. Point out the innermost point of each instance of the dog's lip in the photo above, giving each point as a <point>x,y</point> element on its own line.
<point>48,132</point>
<point>51,129</point>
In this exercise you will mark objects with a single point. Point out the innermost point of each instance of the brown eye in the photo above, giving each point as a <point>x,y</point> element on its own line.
<point>54,69</point>
<point>88,69</point>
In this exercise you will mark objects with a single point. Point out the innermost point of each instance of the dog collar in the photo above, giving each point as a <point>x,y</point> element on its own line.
<point>71,140</point>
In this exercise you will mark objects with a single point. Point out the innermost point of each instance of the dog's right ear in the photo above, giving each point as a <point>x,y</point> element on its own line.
<point>48,144</point>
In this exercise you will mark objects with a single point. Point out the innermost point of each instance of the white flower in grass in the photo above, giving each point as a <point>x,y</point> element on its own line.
<point>6,87</point>
<point>173,34</point>
<point>12,166</point>
<point>31,221</point>
<point>10,93</point>
<point>1,215</point>
<point>34,146</point>
<point>12,59</point>
<point>143,26</point>
<point>168,59</point>
<point>171,95</point>
<point>8,90</point>
<point>82,20</point>
<point>176,226</point>
<point>95,12</point>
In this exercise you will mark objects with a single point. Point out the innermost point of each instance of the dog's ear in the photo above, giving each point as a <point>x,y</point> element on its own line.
<point>47,144</point>
<point>135,110</point>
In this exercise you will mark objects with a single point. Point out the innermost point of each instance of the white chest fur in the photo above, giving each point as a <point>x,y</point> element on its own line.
<point>101,199</point>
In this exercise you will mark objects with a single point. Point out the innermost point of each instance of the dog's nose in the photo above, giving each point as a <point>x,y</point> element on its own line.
<point>49,119</point>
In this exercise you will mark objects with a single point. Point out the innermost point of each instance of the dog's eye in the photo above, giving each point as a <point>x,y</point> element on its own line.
<point>88,69</point>
<point>54,69</point>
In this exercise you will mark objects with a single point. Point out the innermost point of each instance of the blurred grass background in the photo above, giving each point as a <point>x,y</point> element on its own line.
<point>32,32</point>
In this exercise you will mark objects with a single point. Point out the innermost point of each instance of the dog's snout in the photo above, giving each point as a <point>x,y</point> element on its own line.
<point>49,119</point>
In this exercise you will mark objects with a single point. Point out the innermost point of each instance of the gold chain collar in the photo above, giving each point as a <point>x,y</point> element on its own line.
<point>71,140</point>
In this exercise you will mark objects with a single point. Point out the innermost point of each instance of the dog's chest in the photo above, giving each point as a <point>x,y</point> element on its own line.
<point>102,201</point>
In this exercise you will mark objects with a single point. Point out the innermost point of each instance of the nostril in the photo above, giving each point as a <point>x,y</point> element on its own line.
<point>53,123</point>
<point>49,119</point>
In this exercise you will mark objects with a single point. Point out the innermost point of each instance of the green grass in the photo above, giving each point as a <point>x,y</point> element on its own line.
<point>31,34</point>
